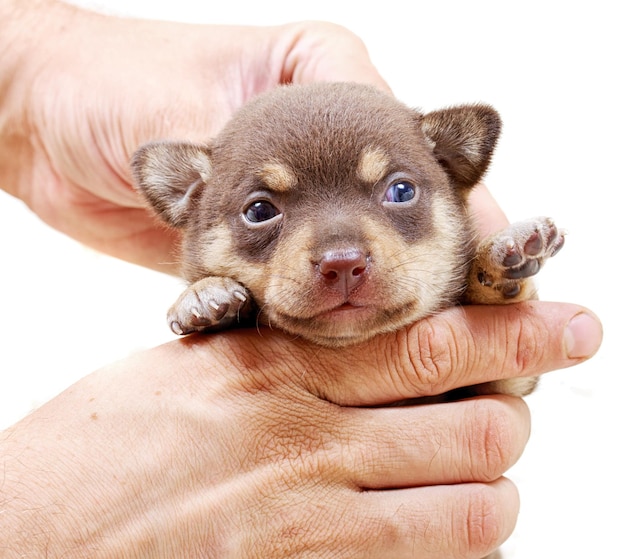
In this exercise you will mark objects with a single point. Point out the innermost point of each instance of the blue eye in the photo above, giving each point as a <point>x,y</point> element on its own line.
<point>400,191</point>
<point>261,210</point>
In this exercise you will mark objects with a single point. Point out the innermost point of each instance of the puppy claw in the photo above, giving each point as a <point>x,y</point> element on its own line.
<point>220,311</point>
<point>241,296</point>
<point>557,245</point>
<point>212,303</point>
<point>176,328</point>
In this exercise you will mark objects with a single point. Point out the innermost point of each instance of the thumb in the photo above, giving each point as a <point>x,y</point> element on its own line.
<point>459,347</point>
<point>321,51</point>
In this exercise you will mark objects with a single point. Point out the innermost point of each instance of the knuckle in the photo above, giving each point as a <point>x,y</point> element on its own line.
<point>433,353</point>
<point>528,347</point>
<point>525,341</point>
<point>491,438</point>
<point>320,34</point>
<point>484,521</point>
<point>335,30</point>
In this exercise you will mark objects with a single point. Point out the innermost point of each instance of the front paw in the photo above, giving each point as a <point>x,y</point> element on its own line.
<point>506,260</point>
<point>209,304</point>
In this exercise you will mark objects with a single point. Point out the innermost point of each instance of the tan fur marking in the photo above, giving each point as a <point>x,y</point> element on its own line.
<point>433,260</point>
<point>219,256</point>
<point>294,268</point>
<point>278,177</point>
<point>373,165</point>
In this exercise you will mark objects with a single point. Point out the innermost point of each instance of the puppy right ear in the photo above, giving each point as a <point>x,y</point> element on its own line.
<point>169,174</point>
<point>463,140</point>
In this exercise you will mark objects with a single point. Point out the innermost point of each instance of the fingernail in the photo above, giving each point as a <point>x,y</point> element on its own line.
<point>583,336</point>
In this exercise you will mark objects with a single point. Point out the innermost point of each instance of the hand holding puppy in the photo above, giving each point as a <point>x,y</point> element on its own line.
<point>79,91</point>
<point>250,445</point>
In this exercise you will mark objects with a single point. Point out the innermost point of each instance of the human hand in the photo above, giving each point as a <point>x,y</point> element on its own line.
<point>92,88</point>
<point>248,444</point>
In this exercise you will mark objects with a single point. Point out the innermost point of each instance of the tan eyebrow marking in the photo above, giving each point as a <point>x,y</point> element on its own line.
<point>278,177</point>
<point>373,165</point>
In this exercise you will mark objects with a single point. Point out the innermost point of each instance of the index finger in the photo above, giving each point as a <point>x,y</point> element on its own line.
<point>322,51</point>
<point>459,347</point>
<point>487,215</point>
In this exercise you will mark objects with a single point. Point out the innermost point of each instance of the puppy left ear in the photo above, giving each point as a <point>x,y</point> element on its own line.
<point>463,140</point>
<point>169,175</point>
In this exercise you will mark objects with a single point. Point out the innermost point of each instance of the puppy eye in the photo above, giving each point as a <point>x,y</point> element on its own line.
<point>400,191</point>
<point>261,210</point>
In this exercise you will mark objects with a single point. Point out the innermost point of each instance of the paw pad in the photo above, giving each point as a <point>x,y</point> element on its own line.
<point>517,253</point>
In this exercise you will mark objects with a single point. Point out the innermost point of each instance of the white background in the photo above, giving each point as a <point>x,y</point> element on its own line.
<point>555,72</point>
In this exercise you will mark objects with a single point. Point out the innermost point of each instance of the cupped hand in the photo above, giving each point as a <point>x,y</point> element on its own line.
<point>249,444</point>
<point>92,88</point>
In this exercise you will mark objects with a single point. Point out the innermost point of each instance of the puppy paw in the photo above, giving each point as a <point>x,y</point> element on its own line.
<point>209,304</point>
<point>505,261</point>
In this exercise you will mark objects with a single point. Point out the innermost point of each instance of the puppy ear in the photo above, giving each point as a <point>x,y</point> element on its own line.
<point>463,138</point>
<point>169,174</point>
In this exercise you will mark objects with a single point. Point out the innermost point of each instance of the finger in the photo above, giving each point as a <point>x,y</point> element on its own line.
<point>487,214</point>
<point>436,522</point>
<point>447,521</point>
<point>441,444</point>
<point>321,51</point>
<point>459,347</point>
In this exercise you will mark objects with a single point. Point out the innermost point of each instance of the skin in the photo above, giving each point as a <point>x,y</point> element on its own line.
<point>245,444</point>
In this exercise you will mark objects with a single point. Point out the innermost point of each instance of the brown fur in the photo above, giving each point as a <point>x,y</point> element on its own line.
<point>336,213</point>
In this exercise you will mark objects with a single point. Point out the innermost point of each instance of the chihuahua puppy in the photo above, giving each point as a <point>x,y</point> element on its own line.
<point>336,213</point>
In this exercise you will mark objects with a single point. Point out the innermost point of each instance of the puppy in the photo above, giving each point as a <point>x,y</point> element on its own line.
<point>335,212</point>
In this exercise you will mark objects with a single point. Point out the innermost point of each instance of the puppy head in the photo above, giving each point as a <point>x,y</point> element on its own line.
<point>339,208</point>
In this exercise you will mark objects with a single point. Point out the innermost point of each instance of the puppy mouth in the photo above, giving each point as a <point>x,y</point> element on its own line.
<point>344,315</point>
<point>343,308</point>
<point>339,309</point>
<point>346,323</point>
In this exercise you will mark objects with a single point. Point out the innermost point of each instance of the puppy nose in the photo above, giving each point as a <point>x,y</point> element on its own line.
<point>343,270</point>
